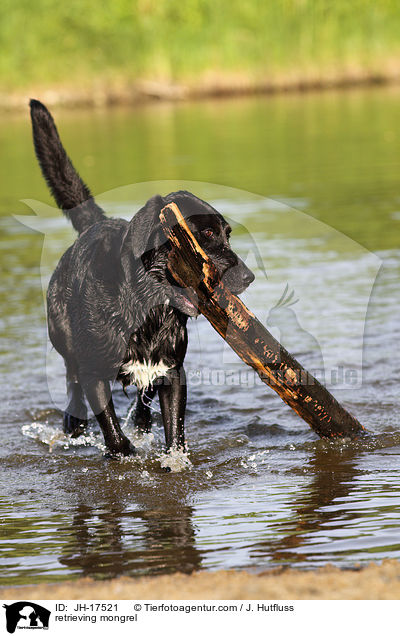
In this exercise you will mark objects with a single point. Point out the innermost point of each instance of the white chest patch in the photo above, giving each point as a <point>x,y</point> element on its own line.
<point>144,373</point>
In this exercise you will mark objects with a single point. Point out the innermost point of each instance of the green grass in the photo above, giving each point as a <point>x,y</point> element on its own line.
<point>50,42</point>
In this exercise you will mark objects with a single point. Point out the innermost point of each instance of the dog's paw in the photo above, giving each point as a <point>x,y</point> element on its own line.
<point>125,449</point>
<point>73,425</point>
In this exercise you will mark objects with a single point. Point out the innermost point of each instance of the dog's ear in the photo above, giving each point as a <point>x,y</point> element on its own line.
<point>145,227</point>
<point>144,231</point>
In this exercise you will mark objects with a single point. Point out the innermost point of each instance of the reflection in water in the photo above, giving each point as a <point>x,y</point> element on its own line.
<point>113,542</point>
<point>333,479</point>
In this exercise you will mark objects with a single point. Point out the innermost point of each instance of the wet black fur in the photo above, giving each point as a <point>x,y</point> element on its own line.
<point>111,299</point>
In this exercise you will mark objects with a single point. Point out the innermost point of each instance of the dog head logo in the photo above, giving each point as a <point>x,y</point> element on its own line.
<point>26,615</point>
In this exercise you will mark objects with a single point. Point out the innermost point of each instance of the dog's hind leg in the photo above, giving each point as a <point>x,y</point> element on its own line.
<point>142,415</point>
<point>172,393</point>
<point>98,393</point>
<point>75,415</point>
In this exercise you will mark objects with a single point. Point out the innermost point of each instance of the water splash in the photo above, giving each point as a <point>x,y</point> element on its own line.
<point>148,445</point>
<point>175,461</point>
<point>54,438</point>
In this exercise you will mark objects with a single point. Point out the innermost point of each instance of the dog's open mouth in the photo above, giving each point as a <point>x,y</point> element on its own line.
<point>179,298</point>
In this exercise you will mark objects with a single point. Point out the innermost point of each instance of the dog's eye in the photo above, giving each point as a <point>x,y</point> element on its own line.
<point>208,233</point>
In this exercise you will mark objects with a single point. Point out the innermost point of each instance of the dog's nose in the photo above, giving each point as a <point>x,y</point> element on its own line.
<point>248,277</point>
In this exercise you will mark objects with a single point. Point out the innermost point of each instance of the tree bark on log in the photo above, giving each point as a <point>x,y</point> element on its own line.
<point>193,270</point>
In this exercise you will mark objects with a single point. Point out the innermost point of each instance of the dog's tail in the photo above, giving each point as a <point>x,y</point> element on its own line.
<point>71,194</point>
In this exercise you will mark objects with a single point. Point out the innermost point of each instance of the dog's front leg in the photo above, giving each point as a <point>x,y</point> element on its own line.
<point>172,394</point>
<point>99,396</point>
<point>142,416</point>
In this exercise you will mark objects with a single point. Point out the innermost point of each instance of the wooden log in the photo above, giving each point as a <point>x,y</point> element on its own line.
<point>192,269</point>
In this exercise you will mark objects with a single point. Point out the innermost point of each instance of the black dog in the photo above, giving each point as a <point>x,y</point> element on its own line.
<point>113,310</point>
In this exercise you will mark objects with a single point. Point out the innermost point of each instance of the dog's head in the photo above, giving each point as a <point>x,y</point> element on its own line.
<point>145,240</point>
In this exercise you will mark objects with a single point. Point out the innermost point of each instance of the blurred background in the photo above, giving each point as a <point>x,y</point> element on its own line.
<point>122,49</point>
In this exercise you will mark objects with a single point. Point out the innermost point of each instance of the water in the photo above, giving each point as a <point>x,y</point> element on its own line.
<point>259,489</point>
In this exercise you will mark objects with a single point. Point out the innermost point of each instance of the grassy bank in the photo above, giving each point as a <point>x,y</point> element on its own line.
<point>198,44</point>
